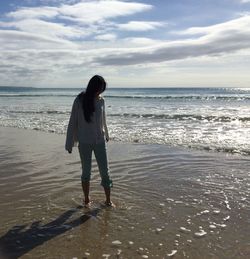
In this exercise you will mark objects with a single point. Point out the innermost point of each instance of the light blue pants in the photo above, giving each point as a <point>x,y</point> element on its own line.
<point>100,151</point>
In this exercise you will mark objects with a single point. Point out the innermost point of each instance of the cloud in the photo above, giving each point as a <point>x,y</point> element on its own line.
<point>48,29</point>
<point>35,12</point>
<point>106,37</point>
<point>17,40</point>
<point>140,25</point>
<point>85,12</point>
<point>68,40</point>
<point>39,2</point>
<point>98,11</point>
<point>219,39</point>
<point>76,20</point>
<point>141,41</point>
<point>27,66</point>
<point>239,24</point>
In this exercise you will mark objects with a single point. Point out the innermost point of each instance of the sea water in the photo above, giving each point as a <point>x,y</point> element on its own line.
<point>200,118</point>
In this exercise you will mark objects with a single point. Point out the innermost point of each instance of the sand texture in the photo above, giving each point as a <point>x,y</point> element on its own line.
<point>170,202</point>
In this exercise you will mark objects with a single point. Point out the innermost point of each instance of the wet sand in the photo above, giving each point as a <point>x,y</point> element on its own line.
<point>170,202</point>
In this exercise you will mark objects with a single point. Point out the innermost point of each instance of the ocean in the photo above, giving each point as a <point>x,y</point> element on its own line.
<point>172,197</point>
<point>200,118</point>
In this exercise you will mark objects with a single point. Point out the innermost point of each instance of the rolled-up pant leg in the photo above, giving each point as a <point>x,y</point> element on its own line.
<point>102,161</point>
<point>85,151</point>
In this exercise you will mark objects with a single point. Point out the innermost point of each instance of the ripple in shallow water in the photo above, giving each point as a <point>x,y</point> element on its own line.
<point>166,200</point>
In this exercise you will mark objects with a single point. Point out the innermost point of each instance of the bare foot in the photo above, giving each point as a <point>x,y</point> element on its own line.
<point>109,204</point>
<point>86,203</point>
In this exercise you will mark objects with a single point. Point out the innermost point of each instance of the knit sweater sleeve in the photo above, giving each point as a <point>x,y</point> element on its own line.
<point>71,137</point>
<point>105,122</point>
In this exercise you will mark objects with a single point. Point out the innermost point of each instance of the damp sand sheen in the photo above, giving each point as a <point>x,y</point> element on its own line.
<point>170,202</point>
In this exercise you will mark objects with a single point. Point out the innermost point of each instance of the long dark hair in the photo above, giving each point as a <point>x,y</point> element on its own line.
<point>96,85</point>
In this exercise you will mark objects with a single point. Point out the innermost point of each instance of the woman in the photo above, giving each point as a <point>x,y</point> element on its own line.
<point>87,125</point>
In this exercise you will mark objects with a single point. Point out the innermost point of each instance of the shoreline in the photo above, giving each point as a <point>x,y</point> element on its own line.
<point>168,200</point>
<point>207,150</point>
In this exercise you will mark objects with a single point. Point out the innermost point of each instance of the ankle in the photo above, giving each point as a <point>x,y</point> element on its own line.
<point>86,200</point>
<point>109,203</point>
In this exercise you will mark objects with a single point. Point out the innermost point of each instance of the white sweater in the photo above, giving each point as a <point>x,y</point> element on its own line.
<point>79,130</point>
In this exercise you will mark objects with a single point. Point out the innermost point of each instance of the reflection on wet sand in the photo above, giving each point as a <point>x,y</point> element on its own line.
<point>169,202</point>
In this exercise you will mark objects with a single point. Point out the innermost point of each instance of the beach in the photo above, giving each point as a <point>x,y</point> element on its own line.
<point>170,202</point>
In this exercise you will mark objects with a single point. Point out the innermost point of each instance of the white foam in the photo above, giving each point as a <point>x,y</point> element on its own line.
<point>172,253</point>
<point>144,256</point>
<point>204,212</point>
<point>116,242</point>
<point>106,256</point>
<point>201,233</point>
<point>158,230</point>
<point>227,205</point>
<point>212,226</point>
<point>221,225</point>
<point>227,202</point>
<point>131,242</point>
<point>226,218</point>
<point>183,229</point>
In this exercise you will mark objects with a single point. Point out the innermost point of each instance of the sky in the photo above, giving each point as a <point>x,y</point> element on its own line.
<point>160,43</point>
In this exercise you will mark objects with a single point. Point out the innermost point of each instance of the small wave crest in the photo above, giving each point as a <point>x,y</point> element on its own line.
<point>230,150</point>
<point>159,97</point>
<point>40,112</point>
<point>184,117</point>
<point>182,97</point>
<point>37,95</point>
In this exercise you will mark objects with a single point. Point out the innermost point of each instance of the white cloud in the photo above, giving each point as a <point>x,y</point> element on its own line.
<point>98,11</point>
<point>83,19</point>
<point>35,12</point>
<point>140,25</point>
<point>48,29</point>
<point>141,41</point>
<point>106,37</point>
<point>85,12</point>
<point>239,24</point>
<point>17,40</point>
<point>219,39</point>
<point>65,42</point>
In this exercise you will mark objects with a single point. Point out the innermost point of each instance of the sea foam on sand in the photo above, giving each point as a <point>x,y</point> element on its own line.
<point>160,206</point>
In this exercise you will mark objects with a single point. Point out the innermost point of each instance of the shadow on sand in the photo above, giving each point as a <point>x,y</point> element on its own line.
<point>19,239</point>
